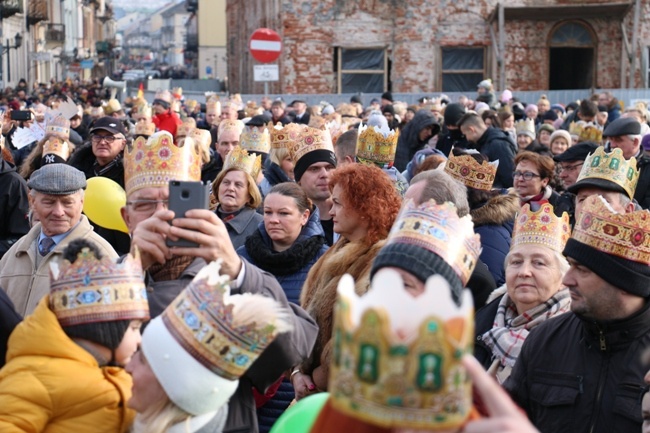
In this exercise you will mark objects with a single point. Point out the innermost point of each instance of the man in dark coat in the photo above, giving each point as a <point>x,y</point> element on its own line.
<point>450,136</point>
<point>14,206</point>
<point>9,318</point>
<point>415,136</point>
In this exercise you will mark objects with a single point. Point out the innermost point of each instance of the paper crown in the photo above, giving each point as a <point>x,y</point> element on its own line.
<point>525,126</point>
<point>376,145</point>
<point>541,227</point>
<point>465,169</point>
<point>437,228</point>
<point>145,127</point>
<point>231,125</point>
<point>255,139</point>
<point>91,290</point>
<point>396,359</point>
<point>164,95</point>
<point>622,235</point>
<point>212,105</point>
<point>58,127</point>
<point>240,159</point>
<point>112,106</point>
<point>613,167</point>
<point>141,110</point>
<point>153,162</point>
<point>202,138</point>
<point>283,137</point>
<point>177,92</point>
<point>96,112</point>
<point>55,147</point>
<point>318,122</point>
<point>186,128</point>
<point>308,140</point>
<point>222,331</point>
<point>586,131</point>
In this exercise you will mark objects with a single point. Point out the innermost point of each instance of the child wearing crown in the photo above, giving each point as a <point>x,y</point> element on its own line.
<point>64,362</point>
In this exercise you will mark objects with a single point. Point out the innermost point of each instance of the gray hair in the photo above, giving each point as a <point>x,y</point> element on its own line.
<point>441,187</point>
<point>560,261</point>
<point>32,193</point>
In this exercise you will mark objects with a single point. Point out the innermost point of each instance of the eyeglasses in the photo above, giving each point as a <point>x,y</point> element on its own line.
<point>527,175</point>
<point>142,206</point>
<point>108,138</point>
<point>569,167</point>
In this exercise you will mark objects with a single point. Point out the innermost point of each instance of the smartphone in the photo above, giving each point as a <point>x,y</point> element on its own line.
<point>184,196</point>
<point>21,115</point>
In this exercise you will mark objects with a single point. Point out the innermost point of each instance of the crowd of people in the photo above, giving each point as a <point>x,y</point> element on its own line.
<point>476,265</point>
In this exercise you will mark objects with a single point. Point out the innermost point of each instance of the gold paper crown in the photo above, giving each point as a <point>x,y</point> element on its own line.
<point>212,105</point>
<point>437,228</point>
<point>239,159</point>
<point>202,138</point>
<point>92,290</point>
<point>153,162</point>
<point>56,146</point>
<point>145,127</point>
<point>586,131</point>
<point>376,145</point>
<point>164,95</point>
<point>141,110</point>
<point>112,106</point>
<point>255,139</point>
<point>308,140</point>
<point>231,125</point>
<point>396,360</point>
<point>191,104</point>
<point>186,128</point>
<point>317,122</point>
<point>465,169</point>
<point>525,126</point>
<point>282,137</point>
<point>204,320</point>
<point>613,167</point>
<point>541,228</point>
<point>58,127</point>
<point>622,235</point>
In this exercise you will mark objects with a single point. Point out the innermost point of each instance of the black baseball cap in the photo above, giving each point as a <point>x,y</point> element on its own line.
<point>110,124</point>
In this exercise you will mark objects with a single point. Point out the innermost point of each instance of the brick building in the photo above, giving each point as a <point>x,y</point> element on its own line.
<point>344,46</point>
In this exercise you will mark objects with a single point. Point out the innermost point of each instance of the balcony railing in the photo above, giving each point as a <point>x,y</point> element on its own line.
<point>36,11</point>
<point>54,35</point>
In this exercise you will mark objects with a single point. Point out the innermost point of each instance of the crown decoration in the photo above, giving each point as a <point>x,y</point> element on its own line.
<point>465,169</point>
<point>377,145</point>
<point>202,138</point>
<point>252,109</point>
<point>525,126</point>
<point>255,139</point>
<point>112,106</point>
<point>212,105</point>
<point>318,122</point>
<point>282,137</point>
<point>141,111</point>
<point>622,235</point>
<point>93,290</point>
<point>58,127</point>
<point>164,95</point>
<point>611,166</point>
<point>541,227</point>
<point>153,162</point>
<point>231,125</point>
<point>308,140</point>
<point>55,150</point>
<point>145,127</point>
<point>177,92</point>
<point>586,131</point>
<point>240,159</point>
<point>185,129</point>
<point>396,360</point>
<point>437,228</point>
<point>218,329</point>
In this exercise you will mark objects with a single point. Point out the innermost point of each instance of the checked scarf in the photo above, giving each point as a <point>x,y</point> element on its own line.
<point>511,329</point>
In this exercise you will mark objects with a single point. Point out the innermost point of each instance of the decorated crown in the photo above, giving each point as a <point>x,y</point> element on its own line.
<point>541,227</point>
<point>153,162</point>
<point>308,140</point>
<point>186,128</point>
<point>177,92</point>
<point>622,235</point>
<point>231,125</point>
<point>145,127</point>
<point>376,145</point>
<point>613,167</point>
<point>318,122</point>
<point>58,127</point>
<point>141,110</point>
<point>525,126</point>
<point>586,131</point>
<point>164,95</point>
<point>240,159</point>
<point>92,290</point>
<point>202,137</point>
<point>283,137</point>
<point>255,139</point>
<point>219,330</point>
<point>465,169</point>
<point>212,105</point>
<point>437,228</point>
<point>55,147</point>
<point>396,359</point>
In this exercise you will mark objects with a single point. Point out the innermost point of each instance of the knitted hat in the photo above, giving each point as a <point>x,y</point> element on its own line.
<point>506,96</point>
<point>550,115</point>
<point>565,134</point>
<point>546,127</point>
<point>453,113</point>
<point>616,247</point>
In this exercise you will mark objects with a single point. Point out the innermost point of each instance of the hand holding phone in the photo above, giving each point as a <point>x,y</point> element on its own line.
<point>185,196</point>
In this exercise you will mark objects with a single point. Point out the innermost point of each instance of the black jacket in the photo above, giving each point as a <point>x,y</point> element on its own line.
<point>9,318</point>
<point>497,144</point>
<point>14,206</point>
<point>642,192</point>
<point>483,322</point>
<point>409,141</point>
<point>451,138</point>
<point>576,375</point>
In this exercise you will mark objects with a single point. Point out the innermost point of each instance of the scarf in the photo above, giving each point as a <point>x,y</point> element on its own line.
<point>171,270</point>
<point>227,216</point>
<point>285,262</point>
<point>537,200</point>
<point>101,171</point>
<point>510,329</point>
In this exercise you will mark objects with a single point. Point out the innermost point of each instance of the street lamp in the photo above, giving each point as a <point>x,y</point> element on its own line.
<point>18,41</point>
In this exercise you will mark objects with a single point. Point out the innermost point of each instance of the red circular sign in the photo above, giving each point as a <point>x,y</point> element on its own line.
<point>265,45</point>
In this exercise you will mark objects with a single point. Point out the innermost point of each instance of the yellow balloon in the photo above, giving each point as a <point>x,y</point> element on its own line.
<point>102,203</point>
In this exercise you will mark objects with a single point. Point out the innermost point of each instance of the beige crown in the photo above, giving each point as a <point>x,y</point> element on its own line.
<point>283,137</point>
<point>186,128</point>
<point>376,145</point>
<point>541,227</point>
<point>525,126</point>
<point>145,127</point>
<point>56,146</point>
<point>231,125</point>
<point>586,131</point>
<point>58,127</point>
<point>240,159</point>
<point>611,166</point>
<point>308,140</point>
<point>465,169</point>
<point>255,139</point>
<point>213,106</point>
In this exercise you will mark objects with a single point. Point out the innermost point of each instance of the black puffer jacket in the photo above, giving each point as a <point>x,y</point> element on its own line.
<point>497,144</point>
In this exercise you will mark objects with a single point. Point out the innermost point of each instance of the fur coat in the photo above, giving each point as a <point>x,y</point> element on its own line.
<point>318,296</point>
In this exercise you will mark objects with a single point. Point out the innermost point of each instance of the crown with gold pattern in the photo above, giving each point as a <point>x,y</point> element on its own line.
<point>622,235</point>
<point>225,333</point>
<point>58,127</point>
<point>610,166</point>
<point>240,159</point>
<point>283,137</point>
<point>186,128</point>
<point>153,162</point>
<point>437,228</point>
<point>55,150</point>
<point>307,140</point>
<point>164,95</point>
<point>377,145</point>
<point>396,359</point>
<point>525,126</point>
<point>255,139</point>
<point>145,127</point>
<point>318,122</point>
<point>231,125</point>
<point>141,110</point>
<point>586,131</point>
<point>466,170</point>
<point>203,139</point>
<point>213,106</point>
<point>92,290</point>
<point>541,227</point>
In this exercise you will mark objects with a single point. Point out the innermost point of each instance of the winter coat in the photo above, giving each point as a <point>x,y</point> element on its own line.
<point>9,318</point>
<point>243,225</point>
<point>167,121</point>
<point>579,375</point>
<point>273,175</point>
<point>450,138</point>
<point>497,144</point>
<point>409,142</point>
<point>494,222</point>
<point>483,322</point>
<point>51,385</point>
<point>24,281</point>
<point>211,169</point>
<point>161,293</point>
<point>14,206</point>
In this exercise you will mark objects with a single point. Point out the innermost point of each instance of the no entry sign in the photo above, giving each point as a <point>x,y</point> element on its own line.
<point>265,45</point>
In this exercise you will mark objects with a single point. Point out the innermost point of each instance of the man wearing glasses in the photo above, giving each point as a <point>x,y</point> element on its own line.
<point>570,161</point>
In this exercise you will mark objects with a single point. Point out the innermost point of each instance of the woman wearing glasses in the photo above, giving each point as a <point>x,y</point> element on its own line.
<point>531,178</point>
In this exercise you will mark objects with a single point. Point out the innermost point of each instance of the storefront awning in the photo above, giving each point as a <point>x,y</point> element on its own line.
<point>565,12</point>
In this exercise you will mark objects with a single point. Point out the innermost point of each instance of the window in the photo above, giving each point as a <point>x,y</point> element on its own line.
<point>361,70</point>
<point>462,68</point>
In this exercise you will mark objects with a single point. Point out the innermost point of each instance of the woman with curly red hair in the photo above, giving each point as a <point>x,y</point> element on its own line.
<point>365,204</point>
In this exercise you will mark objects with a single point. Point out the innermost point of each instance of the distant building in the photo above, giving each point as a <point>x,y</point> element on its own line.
<point>205,43</point>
